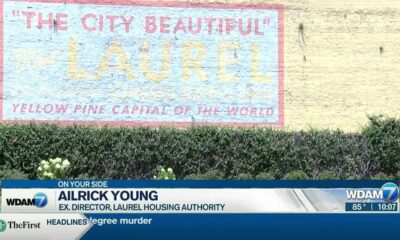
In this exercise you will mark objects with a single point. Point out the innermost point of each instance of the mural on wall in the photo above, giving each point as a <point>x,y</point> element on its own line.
<point>142,63</point>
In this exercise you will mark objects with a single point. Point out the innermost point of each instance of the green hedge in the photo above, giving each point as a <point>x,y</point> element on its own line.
<point>134,153</point>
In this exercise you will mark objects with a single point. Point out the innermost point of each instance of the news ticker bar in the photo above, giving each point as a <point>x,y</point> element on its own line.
<point>80,196</point>
<point>36,226</point>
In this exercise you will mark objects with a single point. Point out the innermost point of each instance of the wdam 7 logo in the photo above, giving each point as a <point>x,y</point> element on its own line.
<point>39,200</point>
<point>389,192</point>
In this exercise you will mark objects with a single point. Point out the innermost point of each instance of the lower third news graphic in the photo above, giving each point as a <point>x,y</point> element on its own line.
<point>80,209</point>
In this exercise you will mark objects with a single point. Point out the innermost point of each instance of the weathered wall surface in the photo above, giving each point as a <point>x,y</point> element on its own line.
<point>345,63</point>
<point>341,63</point>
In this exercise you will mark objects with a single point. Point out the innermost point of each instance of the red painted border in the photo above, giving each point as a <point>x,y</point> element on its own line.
<point>278,7</point>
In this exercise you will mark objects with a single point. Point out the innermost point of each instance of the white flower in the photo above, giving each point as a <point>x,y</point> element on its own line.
<point>162,170</point>
<point>50,175</point>
<point>169,170</point>
<point>58,166</point>
<point>166,178</point>
<point>40,169</point>
<point>154,177</point>
<point>45,174</point>
<point>66,163</point>
<point>46,166</point>
<point>52,160</point>
<point>58,160</point>
<point>43,162</point>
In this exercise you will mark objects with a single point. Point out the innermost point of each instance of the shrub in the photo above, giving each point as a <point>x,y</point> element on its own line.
<point>265,176</point>
<point>382,176</point>
<point>354,177</point>
<point>134,153</point>
<point>11,174</point>
<point>296,175</point>
<point>245,176</point>
<point>383,134</point>
<point>328,175</point>
<point>85,176</point>
<point>211,175</point>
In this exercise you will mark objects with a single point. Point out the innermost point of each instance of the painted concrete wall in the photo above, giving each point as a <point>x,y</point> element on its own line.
<point>341,63</point>
<point>345,63</point>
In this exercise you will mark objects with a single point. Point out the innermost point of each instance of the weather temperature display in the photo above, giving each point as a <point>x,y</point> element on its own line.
<point>371,207</point>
